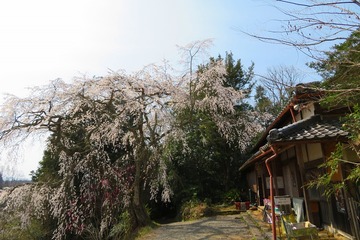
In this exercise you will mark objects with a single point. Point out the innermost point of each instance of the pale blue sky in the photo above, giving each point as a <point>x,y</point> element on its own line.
<point>43,40</point>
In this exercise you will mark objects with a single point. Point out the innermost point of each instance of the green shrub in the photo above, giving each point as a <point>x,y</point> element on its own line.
<point>231,196</point>
<point>194,209</point>
<point>123,227</point>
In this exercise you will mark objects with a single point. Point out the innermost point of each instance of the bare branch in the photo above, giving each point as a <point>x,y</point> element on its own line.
<point>312,24</point>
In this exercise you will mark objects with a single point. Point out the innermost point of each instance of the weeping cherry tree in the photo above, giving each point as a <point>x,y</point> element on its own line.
<point>108,134</point>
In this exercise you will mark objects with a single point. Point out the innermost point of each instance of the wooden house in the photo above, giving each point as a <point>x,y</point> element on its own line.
<point>289,153</point>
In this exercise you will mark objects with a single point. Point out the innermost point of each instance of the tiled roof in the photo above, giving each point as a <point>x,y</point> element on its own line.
<point>314,128</point>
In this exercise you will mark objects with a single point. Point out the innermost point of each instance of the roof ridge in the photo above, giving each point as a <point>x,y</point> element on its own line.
<point>277,133</point>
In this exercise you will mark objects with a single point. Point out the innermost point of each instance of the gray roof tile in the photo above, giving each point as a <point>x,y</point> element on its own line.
<point>314,128</point>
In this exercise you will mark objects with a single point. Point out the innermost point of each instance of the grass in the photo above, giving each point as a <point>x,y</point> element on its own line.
<point>141,232</point>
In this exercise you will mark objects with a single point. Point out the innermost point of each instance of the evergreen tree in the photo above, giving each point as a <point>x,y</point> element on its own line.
<point>236,76</point>
<point>340,88</point>
<point>205,164</point>
<point>48,170</point>
<point>262,101</point>
<point>341,72</point>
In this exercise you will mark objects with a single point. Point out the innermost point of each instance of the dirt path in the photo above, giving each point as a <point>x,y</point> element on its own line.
<point>232,227</point>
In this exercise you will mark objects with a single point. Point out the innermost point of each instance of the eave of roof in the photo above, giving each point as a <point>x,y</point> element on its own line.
<point>263,152</point>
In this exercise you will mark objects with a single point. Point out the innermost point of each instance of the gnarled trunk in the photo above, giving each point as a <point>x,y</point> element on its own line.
<point>138,209</point>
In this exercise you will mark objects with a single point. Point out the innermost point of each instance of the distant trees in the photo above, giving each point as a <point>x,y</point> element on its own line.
<point>1,181</point>
<point>262,100</point>
<point>275,89</point>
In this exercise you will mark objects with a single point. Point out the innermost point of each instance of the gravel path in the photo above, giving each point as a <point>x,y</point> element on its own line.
<point>241,226</point>
<point>232,227</point>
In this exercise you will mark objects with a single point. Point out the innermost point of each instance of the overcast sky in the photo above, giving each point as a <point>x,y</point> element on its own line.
<point>43,40</point>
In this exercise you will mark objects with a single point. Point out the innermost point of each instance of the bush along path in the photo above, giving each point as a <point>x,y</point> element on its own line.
<point>235,227</point>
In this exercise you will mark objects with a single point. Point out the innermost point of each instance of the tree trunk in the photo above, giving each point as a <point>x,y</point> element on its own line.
<point>140,214</point>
